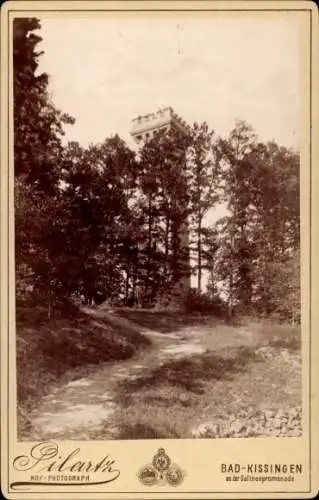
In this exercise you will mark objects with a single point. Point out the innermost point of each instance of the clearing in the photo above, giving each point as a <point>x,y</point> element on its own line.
<point>190,377</point>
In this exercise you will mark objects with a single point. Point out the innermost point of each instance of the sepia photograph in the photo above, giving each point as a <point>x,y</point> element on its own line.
<point>157,227</point>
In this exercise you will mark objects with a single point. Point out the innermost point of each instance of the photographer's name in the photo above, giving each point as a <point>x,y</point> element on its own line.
<point>48,457</point>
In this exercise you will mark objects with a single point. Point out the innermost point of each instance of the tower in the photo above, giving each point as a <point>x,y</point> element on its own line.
<point>143,129</point>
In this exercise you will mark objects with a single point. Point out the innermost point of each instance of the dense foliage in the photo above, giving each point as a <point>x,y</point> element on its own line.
<point>104,221</point>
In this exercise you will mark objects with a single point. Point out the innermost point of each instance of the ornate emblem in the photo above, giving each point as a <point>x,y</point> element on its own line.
<point>161,461</point>
<point>174,476</point>
<point>161,471</point>
<point>147,475</point>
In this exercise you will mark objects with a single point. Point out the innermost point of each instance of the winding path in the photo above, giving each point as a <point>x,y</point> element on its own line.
<point>81,407</point>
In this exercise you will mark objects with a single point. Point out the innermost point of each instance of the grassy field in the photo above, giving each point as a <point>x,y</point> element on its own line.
<point>226,384</point>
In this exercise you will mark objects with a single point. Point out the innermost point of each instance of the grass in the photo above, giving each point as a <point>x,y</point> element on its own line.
<point>170,400</point>
<point>278,335</point>
<point>71,346</point>
<point>165,322</point>
<point>171,396</point>
<point>190,374</point>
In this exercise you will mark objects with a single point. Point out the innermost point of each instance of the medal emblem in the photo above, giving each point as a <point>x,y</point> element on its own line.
<point>174,476</point>
<point>147,475</point>
<point>161,460</point>
<point>161,471</point>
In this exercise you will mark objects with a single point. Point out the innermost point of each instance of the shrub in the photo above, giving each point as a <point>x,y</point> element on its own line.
<point>200,302</point>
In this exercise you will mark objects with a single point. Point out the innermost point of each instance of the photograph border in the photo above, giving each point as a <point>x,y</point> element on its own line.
<point>310,11</point>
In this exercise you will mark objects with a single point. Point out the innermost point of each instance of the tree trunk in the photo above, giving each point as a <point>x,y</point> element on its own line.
<point>52,304</point>
<point>231,280</point>
<point>175,248</point>
<point>230,298</point>
<point>134,277</point>
<point>149,244</point>
<point>127,283</point>
<point>167,228</point>
<point>212,277</point>
<point>199,254</point>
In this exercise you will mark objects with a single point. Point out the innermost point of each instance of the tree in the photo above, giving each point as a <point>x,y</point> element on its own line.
<point>259,238</point>
<point>38,125</point>
<point>237,246</point>
<point>38,128</point>
<point>164,202</point>
<point>210,244</point>
<point>203,163</point>
<point>277,227</point>
<point>99,191</point>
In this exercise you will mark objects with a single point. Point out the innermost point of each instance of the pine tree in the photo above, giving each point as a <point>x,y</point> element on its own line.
<point>203,167</point>
<point>164,202</point>
<point>237,248</point>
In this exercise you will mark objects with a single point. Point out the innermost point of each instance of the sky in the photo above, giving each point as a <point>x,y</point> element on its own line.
<point>105,72</point>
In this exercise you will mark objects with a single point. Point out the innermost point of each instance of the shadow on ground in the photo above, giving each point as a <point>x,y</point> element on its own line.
<point>144,431</point>
<point>190,374</point>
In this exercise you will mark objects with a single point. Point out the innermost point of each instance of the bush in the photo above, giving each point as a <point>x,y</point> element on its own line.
<point>200,302</point>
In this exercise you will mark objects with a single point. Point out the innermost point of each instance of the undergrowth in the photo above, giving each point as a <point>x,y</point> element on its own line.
<point>72,344</point>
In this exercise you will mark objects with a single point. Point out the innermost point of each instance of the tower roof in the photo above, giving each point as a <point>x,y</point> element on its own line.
<point>163,119</point>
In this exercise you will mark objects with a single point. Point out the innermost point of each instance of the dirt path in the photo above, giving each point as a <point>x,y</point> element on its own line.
<point>81,407</point>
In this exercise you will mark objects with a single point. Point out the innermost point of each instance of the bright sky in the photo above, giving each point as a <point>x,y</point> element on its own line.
<point>104,72</point>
